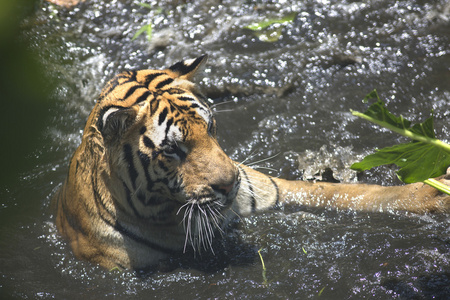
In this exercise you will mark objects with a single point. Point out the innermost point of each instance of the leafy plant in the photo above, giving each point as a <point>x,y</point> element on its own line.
<point>148,28</point>
<point>419,160</point>
<point>267,33</point>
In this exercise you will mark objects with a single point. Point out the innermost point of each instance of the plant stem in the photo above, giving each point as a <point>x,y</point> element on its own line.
<point>263,267</point>
<point>405,132</point>
<point>438,185</point>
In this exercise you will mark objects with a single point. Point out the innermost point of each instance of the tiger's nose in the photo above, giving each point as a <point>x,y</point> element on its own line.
<point>224,189</point>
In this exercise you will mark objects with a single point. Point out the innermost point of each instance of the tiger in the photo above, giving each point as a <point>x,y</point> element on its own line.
<point>150,180</point>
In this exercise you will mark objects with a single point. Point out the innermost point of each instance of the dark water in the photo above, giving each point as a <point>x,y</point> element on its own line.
<point>287,100</point>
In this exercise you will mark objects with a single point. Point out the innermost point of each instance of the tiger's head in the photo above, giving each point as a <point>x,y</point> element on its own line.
<point>162,162</point>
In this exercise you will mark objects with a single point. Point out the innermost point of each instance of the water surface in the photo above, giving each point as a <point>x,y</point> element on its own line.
<point>283,106</point>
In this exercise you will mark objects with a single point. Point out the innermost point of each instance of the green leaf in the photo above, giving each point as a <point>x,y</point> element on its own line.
<point>147,28</point>
<point>265,33</point>
<point>146,5</point>
<point>266,23</point>
<point>419,160</point>
<point>378,114</point>
<point>426,128</point>
<point>149,32</point>
<point>372,95</point>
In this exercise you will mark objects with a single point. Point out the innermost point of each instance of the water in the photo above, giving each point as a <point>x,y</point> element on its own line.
<point>288,101</point>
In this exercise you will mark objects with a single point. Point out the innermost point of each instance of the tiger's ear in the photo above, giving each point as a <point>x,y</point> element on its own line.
<point>186,69</point>
<point>114,121</point>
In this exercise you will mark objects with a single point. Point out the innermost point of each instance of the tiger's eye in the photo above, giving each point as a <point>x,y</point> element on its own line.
<point>175,151</point>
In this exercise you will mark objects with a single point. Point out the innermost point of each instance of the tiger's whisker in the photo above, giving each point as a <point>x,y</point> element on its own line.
<point>263,160</point>
<point>264,168</point>
<point>220,103</point>
<point>250,156</point>
<point>222,111</point>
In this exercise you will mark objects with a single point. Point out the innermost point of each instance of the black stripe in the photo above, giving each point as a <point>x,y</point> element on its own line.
<point>131,169</point>
<point>169,123</point>
<point>155,201</point>
<point>154,105</point>
<point>162,116</point>
<point>250,188</point>
<point>185,98</point>
<point>164,83</point>
<point>101,207</point>
<point>131,90</point>
<point>130,200</point>
<point>277,202</point>
<point>114,82</point>
<point>182,107</point>
<point>141,197</point>
<point>175,91</point>
<point>155,154</point>
<point>145,161</point>
<point>163,166</point>
<point>142,97</point>
<point>76,166</point>
<point>164,181</point>
<point>149,78</point>
<point>148,142</point>
<point>171,107</point>
<point>131,75</point>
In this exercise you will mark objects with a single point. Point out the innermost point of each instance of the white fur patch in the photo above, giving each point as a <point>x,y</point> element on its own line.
<point>203,112</point>
<point>108,113</point>
<point>159,133</point>
<point>189,62</point>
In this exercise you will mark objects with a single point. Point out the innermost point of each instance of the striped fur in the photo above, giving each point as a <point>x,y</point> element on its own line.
<point>149,178</point>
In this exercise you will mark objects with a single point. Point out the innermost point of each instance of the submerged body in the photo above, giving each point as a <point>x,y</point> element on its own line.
<point>150,179</point>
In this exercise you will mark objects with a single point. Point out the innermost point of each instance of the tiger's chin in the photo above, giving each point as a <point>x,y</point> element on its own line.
<point>204,217</point>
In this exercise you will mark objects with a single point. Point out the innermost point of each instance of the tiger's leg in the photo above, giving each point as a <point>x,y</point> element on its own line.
<point>259,191</point>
